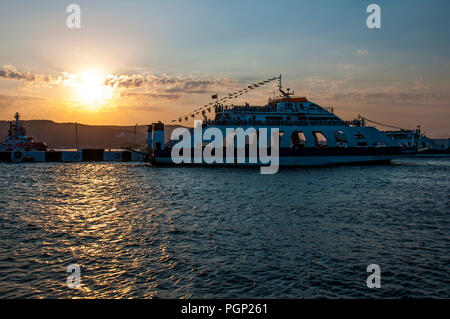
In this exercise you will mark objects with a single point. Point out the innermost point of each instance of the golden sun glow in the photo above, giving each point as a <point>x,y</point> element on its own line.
<point>91,89</point>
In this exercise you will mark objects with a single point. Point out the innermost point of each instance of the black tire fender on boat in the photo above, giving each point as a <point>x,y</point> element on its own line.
<point>17,154</point>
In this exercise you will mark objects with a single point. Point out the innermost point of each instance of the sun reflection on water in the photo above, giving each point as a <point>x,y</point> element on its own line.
<point>89,215</point>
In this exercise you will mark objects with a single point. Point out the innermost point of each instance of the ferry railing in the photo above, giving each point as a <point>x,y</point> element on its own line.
<point>273,123</point>
<point>242,109</point>
<point>266,109</point>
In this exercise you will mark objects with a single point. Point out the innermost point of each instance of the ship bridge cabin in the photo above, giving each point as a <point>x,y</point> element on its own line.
<point>285,110</point>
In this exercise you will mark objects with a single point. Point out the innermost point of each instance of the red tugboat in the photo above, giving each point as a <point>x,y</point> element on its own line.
<point>17,140</point>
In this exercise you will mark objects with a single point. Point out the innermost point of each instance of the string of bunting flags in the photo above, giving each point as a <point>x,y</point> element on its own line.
<point>207,107</point>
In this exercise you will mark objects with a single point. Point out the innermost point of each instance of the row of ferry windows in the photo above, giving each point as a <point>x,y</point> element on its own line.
<point>298,139</point>
<point>301,106</point>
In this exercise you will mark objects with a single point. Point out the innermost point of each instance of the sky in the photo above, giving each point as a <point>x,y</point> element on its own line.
<point>137,62</point>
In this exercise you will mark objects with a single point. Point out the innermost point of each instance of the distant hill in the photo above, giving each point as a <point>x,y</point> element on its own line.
<point>62,135</point>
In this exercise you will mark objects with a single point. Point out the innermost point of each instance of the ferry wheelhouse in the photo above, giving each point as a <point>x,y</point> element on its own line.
<point>309,134</point>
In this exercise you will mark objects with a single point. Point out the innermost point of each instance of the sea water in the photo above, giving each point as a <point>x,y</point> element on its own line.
<point>208,232</point>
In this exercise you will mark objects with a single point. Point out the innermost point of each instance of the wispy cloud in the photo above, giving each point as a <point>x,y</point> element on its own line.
<point>387,97</point>
<point>345,66</point>
<point>168,84</point>
<point>149,84</point>
<point>151,95</point>
<point>143,108</point>
<point>355,90</point>
<point>362,52</point>
<point>10,72</point>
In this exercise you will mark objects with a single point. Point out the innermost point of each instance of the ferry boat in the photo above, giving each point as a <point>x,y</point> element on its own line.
<point>18,141</point>
<point>309,134</point>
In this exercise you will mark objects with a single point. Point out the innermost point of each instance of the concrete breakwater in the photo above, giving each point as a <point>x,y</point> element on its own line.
<point>80,155</point>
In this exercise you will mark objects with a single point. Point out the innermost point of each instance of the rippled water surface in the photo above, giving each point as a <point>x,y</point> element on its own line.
<point>138,231</point>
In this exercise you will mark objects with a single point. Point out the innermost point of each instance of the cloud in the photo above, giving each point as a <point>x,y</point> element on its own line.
<point>345,66</point>
<point>355,90</point>
<point>167,84</point>
<point>390,98</point>
<point>144,108</point>
<point>362,52</point>
<point>317,83</point>
<point>153,85</point>
<point>151,95</point>
<point>10,72</point>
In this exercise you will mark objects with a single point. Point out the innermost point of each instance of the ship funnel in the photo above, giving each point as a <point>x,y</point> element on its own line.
<point>158,136</point>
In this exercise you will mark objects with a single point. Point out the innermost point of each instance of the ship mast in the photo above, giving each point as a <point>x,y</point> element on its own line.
<point>18,129</point>
<point>17,116</point>
<point>280,88</point>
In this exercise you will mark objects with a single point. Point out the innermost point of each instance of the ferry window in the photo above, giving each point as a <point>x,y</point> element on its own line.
<point>341,139</point>
<point>320,139</point>
<point>359,136</point>
<point>298,138</point>
<point>360,139</point>
<point>340,136</point>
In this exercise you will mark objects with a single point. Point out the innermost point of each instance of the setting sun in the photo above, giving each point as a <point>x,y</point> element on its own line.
<point>91,89</point>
